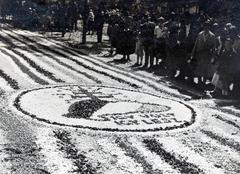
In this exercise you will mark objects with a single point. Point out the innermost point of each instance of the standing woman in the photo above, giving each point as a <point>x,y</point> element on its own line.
<point>126,41</point>
<point>113,30</point>
<point>160,33</point>
<point>226,69</point>
<point>203,53</point>
<point>139,50</point>
<point>172,47</point>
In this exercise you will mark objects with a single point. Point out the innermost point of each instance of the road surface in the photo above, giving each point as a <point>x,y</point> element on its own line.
<point>65,112</point>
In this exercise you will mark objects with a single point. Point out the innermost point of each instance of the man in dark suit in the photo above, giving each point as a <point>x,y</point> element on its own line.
<point>99,23</point>
<point>147,33</point>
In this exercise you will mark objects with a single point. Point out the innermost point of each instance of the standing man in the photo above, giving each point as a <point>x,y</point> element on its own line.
<point>147,33</point>
<point>75,15</point>
<point>61,18</point>
<point>85,16</point>
<point>236,47</point>
<point>99,23</point>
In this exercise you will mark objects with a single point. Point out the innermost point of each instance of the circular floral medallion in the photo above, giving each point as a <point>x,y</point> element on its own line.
<point>104,108</point>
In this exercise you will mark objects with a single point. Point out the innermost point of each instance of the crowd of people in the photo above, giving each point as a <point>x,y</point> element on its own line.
<point>64,17</point>
<point>197,49</point>
<point>61,17</point>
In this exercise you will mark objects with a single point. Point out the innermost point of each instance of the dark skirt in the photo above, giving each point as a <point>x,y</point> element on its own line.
<point>176,57</point>
<point>159,48</point>
<point>204,66</point>
<point>126,43</point>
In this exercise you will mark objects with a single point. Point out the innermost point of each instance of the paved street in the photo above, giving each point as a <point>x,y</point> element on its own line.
<point>63,112</point>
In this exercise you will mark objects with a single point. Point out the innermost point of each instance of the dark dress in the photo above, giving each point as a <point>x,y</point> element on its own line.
<point>175,51</point>
<point>126,42</point>
<point>228,67</point>
<point>115,31</point>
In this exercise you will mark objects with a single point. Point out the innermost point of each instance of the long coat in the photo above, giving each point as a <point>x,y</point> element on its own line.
<point>203,54</point>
